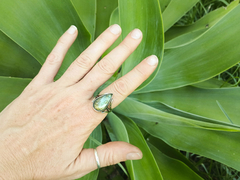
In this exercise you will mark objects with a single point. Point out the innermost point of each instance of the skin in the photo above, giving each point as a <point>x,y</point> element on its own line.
<point>42,132</point>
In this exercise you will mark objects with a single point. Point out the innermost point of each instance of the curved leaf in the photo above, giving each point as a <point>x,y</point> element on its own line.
<point>175,10</point>
<point>204,103</point>
<point>126,130</point>
<point>185,39</point>
<point>164,4</point>
<point>15,61</point>
<point>172,153</point>
<point>37,25</point>
<point>145,15</point>
<point>213,83</point>
<point>183,66</point>
<point>186,134</point>
<point>87,12</point>
<point>202,24</point>
<point>114,19</point>
<point>172,168</point>
<point>104,11</point>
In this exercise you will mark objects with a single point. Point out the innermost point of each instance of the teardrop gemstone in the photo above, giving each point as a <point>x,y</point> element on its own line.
<point>102,102</point>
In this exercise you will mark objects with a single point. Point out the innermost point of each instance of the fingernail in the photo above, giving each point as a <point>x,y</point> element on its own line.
<point>134,156</point>
<point>136,34</point>
<point>115,29</point>
<point>72,29</point>
<point>152,60</point>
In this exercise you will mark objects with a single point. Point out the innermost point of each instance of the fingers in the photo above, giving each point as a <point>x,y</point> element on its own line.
<point>105,68</point>
<point>55,58</point>
<point>88,58</point>
<point>125,85</point>
<point>108,154</point>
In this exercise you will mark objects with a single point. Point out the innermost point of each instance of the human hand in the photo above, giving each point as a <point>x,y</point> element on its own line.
<point>42,132</point>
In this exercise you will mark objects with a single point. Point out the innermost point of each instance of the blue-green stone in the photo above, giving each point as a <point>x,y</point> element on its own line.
<point>101,103</point>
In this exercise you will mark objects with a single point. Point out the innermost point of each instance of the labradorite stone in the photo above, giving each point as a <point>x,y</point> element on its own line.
<point>101,103</point>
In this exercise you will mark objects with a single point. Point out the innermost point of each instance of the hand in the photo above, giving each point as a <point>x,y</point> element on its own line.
<point>42,132</point>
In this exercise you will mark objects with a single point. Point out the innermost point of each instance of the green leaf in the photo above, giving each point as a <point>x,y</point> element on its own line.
<point>126,130</point>
<point>213,83</point>
<point>164,4</point>
<point>185,65</point>
<point>87,12</point>
<point>171,153</point>
<point>175,10</point>
<point>11,88</point>
<point>145,15</point>
<point>20,65</point>
<point>182,35</point>
<point>213,140</point>
<point>185,39</point>
<point>202,24</point>
<point>114,19</point>
<point>204,103</point>
<point>104,11</point>
<point>96,136</point>
<point>37,25</point>
<point>172,168</point>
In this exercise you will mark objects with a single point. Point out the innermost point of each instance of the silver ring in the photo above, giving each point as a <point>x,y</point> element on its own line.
<point>97,159</point>
<point>102,103</point>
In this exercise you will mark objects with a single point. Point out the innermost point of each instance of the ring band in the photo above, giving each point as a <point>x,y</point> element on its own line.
<point>97,159</point>
<point>102,103</point>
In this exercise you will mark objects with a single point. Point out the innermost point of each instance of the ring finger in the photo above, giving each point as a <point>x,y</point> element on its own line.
<point>125,85</point>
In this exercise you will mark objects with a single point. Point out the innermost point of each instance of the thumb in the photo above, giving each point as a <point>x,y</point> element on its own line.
<point>108,154</point>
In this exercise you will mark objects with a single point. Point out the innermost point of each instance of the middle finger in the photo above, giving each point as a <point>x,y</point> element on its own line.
<point>105,68</point>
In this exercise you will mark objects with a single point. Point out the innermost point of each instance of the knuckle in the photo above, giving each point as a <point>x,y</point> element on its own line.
<point>121,87</point>
<point>84,61</point>
<point>52,58</point>
<point>126,47</point>
<point>104,39</point>
<point>140,72</point>
<point>106,66</point>
<point>61,41</point>
<point>109,158</point>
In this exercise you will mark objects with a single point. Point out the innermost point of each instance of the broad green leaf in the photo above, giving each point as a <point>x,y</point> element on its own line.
<point>126,130</point>
<point>11,88</point>
<point>145,15</point>
<point>199,101</point>
<point>172,168</point>
<point>96,134</point>
<point>212,83</point>
<point>114,19</point>
<point>185,65</point>
<point>203,138</point>
<point>87,12</point>
<point>184,40</point>
<point>134,109</point>
<point>172,153</point>
<point>171,110</point>
<point>187,34</point>
<point>37,25</point>
<point>164,4</point>
<point>202,24</point>
<point>104,11</point>
<point>15,61</point>
<point>175,10</point>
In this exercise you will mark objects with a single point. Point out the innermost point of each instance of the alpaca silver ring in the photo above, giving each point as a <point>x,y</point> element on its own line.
<point>102,103</point>
<point>97,159</point>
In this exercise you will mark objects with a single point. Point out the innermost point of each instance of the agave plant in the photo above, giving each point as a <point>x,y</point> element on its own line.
<point>180,107</point>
